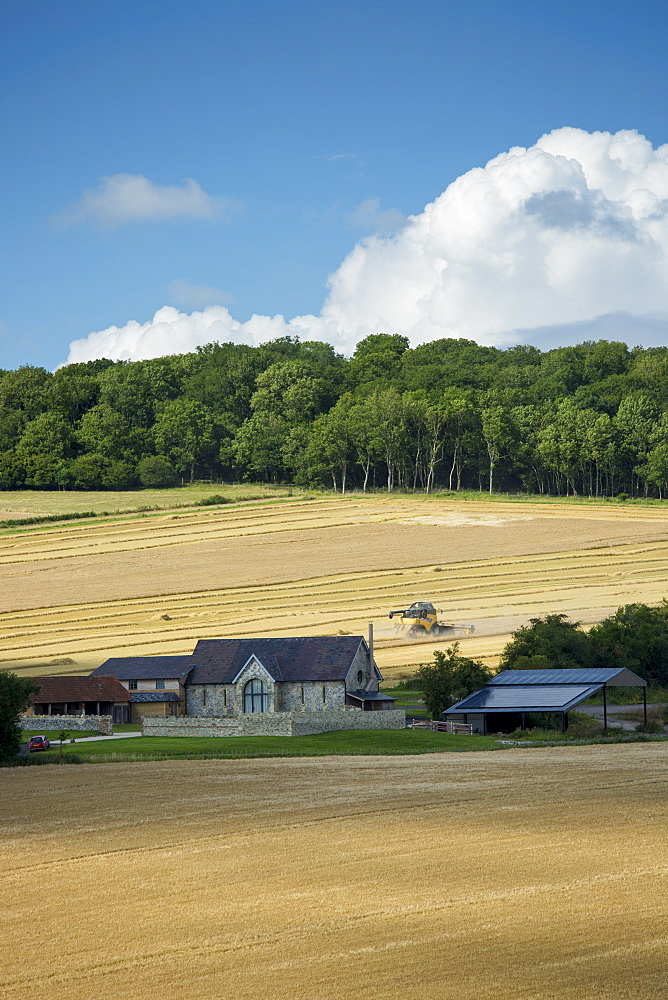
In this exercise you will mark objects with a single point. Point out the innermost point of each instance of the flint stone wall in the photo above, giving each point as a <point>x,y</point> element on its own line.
<point>276,723</point>
<point>85,723</point>
<point>215,701</point>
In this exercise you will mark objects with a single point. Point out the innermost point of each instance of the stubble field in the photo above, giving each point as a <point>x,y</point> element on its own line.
<point>73,594</point>
<point>536,875</point>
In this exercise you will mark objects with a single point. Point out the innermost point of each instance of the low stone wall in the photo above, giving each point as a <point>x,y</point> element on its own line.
<point>275,723</point>
<point>153,725</point>
<point>309,723</point>
<point>85,723</point>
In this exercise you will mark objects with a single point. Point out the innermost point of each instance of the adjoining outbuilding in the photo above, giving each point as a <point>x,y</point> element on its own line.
<point>155,684</point>
<point>80,696</point>
<point>512,696</point>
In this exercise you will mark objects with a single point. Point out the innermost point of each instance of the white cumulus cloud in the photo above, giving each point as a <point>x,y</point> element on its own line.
<point>134,198</point>
<point>570,234</point>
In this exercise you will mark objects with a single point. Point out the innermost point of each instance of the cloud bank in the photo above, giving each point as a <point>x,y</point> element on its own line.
<point>127,198</point>
<point>566,235</point>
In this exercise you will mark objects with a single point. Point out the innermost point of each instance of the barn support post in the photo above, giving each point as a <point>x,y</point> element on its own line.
<point>644,704</point>
<point>605,711</point>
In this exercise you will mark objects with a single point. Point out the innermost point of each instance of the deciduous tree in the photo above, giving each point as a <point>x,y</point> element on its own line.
<point>14,699</point>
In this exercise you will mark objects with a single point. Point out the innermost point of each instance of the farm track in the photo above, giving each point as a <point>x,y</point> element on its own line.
<point>621,556</point>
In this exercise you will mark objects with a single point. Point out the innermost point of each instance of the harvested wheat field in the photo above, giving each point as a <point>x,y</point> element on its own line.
<point>77,592</point>
<point>525,874</point>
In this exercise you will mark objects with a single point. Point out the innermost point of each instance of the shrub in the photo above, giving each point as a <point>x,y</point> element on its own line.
<point>211,501</point>
<point>651,726</point>
<point>156,471</point>
<point>88,471</point>
<point>583,726</point>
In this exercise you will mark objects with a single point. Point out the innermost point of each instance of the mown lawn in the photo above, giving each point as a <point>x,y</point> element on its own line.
<point>376,742</point>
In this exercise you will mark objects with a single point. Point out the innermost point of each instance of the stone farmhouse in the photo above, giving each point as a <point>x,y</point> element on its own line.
<point>236,680</point>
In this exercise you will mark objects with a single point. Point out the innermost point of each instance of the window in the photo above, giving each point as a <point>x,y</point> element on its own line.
<point>132,685</point>
<point>302,694</point>
<point>225,697</point>
<point>160,683</point>
<point>256,698</point>
<point>360,678</point>
<point>324,694</point>
<point>204,697</point>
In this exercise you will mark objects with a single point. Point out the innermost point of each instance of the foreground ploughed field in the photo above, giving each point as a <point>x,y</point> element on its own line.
<point>154,583</point>
<point>526,874</point>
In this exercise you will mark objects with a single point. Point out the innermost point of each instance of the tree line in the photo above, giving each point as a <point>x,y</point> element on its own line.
<point>586,420</point>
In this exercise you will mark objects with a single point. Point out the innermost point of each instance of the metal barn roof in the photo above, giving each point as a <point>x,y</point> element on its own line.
<point>615,676</point>
<point>525,698</point>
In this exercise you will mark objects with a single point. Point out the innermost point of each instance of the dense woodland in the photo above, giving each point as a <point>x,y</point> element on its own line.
<point>584,420</point>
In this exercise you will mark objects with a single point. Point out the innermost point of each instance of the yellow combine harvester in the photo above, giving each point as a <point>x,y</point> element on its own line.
<point>422,617</point>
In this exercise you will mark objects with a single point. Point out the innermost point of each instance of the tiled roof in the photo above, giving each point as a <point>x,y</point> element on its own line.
<point>139,697</point>
<point>63,689</point>
<point>145,668</point>
<point>307,658</point>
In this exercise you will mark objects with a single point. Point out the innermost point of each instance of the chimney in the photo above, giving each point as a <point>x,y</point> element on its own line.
<point>372,672</point>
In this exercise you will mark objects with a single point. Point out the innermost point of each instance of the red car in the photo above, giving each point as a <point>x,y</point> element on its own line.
<point>38,743</point>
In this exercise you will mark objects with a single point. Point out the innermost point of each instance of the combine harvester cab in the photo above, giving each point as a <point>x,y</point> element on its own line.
<point>422,619</point>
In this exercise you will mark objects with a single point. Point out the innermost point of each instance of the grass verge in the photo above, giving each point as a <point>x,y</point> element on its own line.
<point>342,742</point>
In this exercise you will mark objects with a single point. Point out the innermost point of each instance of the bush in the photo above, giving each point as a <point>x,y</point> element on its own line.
<point>87,472</point>
<point>119,476</point>
<point>651,726</point>
<point>156,471</point>
<point>211,501</point>
<point>583,726</point>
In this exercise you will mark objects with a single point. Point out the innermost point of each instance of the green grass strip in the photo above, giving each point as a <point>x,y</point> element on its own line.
<point>352,741</point>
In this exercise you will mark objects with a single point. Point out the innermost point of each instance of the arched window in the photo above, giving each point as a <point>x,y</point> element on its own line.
<point>256,698</point>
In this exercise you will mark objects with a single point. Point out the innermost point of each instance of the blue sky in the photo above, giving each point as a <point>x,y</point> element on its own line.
<point>289,116</point>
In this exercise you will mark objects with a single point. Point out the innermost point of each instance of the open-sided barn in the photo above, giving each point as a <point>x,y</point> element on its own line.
<point>512,696</point>
<point>80,696</point>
